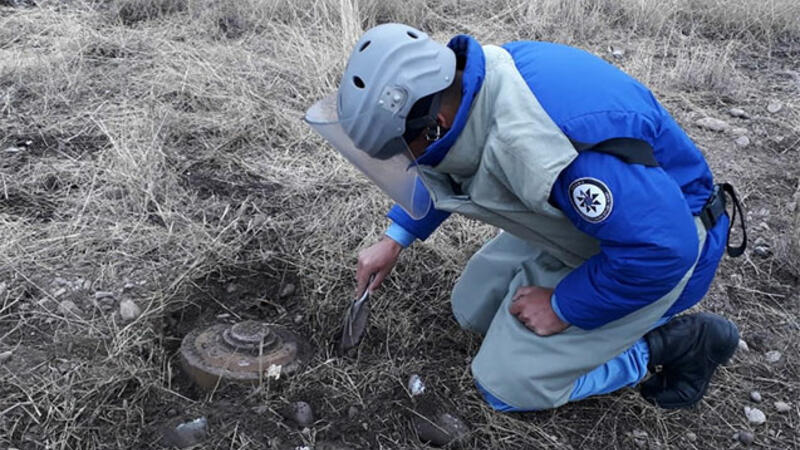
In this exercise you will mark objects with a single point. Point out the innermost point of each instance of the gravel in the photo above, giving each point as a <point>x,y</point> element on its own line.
<point>782,407</point>
<point>754,415</point>
<point>713,124</point>
<point>129,310</point>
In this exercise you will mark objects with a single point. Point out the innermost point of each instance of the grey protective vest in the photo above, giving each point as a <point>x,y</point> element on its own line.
<point>504,163</point>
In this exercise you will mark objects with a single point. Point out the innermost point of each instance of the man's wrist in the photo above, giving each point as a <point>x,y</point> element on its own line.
<point>556,309</point>
<point>400,235</point>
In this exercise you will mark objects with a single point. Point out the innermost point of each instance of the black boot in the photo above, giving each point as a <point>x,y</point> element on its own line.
<point>684,353</point>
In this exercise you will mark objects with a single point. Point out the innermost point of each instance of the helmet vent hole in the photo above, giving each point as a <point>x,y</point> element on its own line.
<point>412,34</point>
<point>364,46</point>
<point>359,82</point>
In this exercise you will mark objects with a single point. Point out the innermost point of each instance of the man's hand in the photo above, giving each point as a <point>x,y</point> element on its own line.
<point>532,307</point>
<point>377,259</point>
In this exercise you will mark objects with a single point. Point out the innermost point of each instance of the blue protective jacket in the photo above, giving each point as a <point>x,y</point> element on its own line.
<point>649,240</point>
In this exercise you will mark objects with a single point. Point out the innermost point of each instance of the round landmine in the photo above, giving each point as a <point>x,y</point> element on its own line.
<point>248,351</point>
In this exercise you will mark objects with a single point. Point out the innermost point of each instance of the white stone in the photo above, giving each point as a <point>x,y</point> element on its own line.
<point>782,407</point>
<point>755,396</point>
<point>743,347</point>
<point>415,385</point>
<point>774,107</point>
<point>742,141</point>
<point>738,112</point>
<point>129,310</point>
<point>713,124</point>
<point>691,437</point>
<point>755,415</point>
<point>773,356</point>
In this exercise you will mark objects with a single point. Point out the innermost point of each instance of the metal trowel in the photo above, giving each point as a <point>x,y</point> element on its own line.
<point>355,321</point>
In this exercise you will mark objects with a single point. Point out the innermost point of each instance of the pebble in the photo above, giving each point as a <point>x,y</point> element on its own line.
<point>773,356</point>
<point>743,347</point>
<point>617,52</point>
<point>755,396</point>
<point>172,412</point>
<point>415,385</point>
<point>60,292</point>
<point>445,429</point>
<point>739,131</point>
<point>738,112</point>
<point>755,415</point>
<point>745,437</point>
<point>6,355</point>
<point>774,107</point>
<point>129,310</point>
<point>691,437</point>
<point>188,434</point>
<point>99,295</point>
<point>742,141</point>
<point>301,413</point>
<point>713,124</point>
<point>287,290</point>
<point>782,407</point>
<point>298,319</point>
<point>68,307</point>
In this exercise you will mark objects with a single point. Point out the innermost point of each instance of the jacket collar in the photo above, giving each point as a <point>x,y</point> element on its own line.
<point>466,48</point>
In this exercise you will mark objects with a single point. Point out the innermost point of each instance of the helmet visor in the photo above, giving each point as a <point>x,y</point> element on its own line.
<point>396,175</point>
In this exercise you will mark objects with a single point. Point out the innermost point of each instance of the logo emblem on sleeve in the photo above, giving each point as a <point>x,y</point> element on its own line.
<point>591,198</point>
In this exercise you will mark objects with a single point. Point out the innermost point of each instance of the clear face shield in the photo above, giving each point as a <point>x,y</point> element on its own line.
<point>397,175</point>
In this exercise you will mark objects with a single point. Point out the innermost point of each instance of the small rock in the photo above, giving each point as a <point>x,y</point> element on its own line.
<point>99,295</point>
<point>754,415</point>
<point>129,310</point>
<point>287,290</point>
<point>300,413</point>
<point>353,412</point>
<point>172,412</point>
<point>746,437</point>
<point>742,141</point>
<point>738,112</point>
<point>773,356</point>
<point>713,124</point>
<point>782,407</point>
<point>187,434</point>
<point>739,131</point>
<point>298,319</point>
<point>755,396</point>
<point>774,107</point>
<point>691,437</point>
<point>128,287</point>
<point>68,308</point>
<point>6,355</point>
<point>617,52</point>
<point>446,428</point>
<point>743,347</point>
<point>60,292</point>
<point>415,385</point>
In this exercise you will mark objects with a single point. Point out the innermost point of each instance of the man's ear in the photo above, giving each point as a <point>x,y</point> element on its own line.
<point>444,121</point>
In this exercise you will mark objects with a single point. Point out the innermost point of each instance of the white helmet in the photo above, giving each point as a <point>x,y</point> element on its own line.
<point>391,68</point>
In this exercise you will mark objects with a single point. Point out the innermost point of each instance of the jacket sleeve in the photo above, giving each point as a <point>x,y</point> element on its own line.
<point>647,236</point>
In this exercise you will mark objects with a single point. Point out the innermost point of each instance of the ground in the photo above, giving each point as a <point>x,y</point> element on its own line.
<point>153,150</point>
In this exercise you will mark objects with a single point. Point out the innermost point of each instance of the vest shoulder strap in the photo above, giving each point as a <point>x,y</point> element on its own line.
<point>632,151</point>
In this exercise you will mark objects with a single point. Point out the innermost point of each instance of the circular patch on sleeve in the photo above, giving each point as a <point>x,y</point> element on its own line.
<point>591,198</point>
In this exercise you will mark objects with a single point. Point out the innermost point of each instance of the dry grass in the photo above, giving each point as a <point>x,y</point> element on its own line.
<point>158,153</point>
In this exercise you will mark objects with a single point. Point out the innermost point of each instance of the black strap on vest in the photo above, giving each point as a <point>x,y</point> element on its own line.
<point>637,151</point>
<point>632,151</point>
<point>715,207</point>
